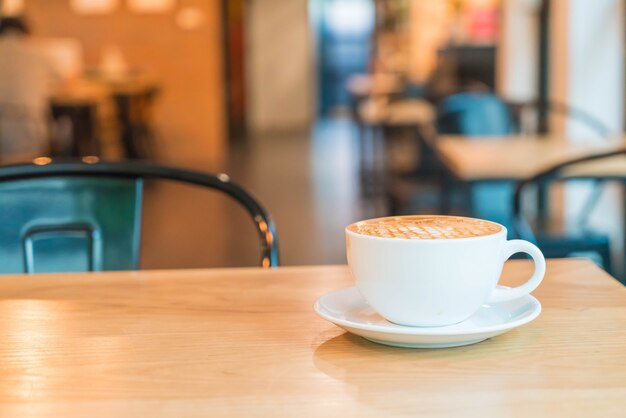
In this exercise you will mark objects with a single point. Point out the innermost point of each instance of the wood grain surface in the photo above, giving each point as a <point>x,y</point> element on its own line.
<point>246,342</point>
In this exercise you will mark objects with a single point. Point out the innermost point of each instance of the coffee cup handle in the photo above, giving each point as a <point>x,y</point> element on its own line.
<point>502,294</point>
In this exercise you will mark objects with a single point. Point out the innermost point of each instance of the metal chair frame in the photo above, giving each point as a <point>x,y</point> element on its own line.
<point>552,175</point>
<point>137,170</point>
<point>575,113</point>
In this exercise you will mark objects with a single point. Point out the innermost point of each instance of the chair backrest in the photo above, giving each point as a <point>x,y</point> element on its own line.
<point>526,116</point>
<point>474,114</point>
<point>77,216</point>
<point>558,173</point>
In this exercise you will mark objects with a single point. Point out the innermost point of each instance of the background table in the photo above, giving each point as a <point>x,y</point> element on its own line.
<point>246,342</point>
<point>79,101</point>
<point>132,96</point>
<point>513,158</point>
<point>473,160</point>
<point>382,118</point>
<point>362,85</point>
<point>406,112</point>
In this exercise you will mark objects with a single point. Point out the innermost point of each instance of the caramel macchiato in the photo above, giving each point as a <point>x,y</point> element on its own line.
<point>425,227</point>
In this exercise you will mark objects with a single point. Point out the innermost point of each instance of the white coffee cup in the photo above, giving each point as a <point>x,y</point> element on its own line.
<point>435,281</point>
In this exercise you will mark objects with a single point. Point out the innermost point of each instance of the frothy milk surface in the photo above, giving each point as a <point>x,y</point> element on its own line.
<point>425,227</point>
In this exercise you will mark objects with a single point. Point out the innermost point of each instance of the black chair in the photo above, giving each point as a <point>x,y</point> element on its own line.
<point>86,216</point>
<point>134,116</point>
<point>79,127</point>
<point>530,118</point>
<point>484,114</point>
<point>579,239</point>
<point>523,124</point>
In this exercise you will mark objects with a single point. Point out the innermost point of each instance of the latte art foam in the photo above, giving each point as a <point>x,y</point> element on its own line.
<point>425,227</point>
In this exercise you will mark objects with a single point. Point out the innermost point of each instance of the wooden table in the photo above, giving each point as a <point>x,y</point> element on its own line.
<point>506,158</point>
<point>480,160</point>
<point>382,118</point>
<point>134,96</point>
<point>78,102</point>
<point>406,112</point>
<point>95,87</point>
<point>246,342</point>
<point>380,84</point>
<point>80,99</point>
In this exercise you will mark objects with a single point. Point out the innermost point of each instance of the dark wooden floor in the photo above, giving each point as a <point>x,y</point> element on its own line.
<point>308,182</point>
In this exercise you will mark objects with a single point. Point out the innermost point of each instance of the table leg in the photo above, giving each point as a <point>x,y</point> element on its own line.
<point>380,159</point>
<point>447,189</point>
<point>127,137</point>
<point>83,121</point>
<point>362,143</point>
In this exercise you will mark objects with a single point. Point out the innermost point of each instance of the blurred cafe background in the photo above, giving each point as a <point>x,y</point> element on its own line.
<point>331,111</point>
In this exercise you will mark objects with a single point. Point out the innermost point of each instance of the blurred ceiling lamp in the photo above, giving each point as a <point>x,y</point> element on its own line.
<point>94,7</point>
<point>151,6</point>
<point>190,18</point>
<point>11,7</point>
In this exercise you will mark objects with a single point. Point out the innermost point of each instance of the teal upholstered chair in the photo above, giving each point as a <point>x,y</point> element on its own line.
<point>480,114</point>
<point>61,217</point>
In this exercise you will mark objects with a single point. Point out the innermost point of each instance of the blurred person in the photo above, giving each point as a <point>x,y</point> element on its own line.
<point>26,78</point>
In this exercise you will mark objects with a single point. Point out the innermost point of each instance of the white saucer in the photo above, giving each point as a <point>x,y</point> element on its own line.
<point>347,309</point>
